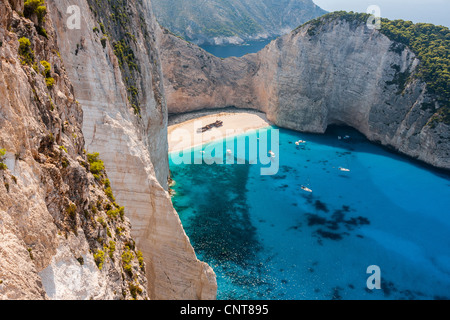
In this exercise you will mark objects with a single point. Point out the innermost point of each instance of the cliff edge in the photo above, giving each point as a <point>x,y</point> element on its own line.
<point>84,210</point>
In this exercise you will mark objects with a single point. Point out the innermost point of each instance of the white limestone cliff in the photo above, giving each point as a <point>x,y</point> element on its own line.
<point>345,74</point>
<point>133,148</point>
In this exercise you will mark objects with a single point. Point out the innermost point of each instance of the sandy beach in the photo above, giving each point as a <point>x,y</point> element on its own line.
<point>183,129</point>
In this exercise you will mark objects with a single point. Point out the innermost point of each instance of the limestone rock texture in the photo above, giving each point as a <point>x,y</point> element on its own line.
<point>344,73</point>
<point>57,240</point>
<point>114,66</point>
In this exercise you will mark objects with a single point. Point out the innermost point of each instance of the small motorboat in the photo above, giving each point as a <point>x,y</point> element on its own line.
<point>272,154</point>
<point>306,189</point>
<point>344,169</point>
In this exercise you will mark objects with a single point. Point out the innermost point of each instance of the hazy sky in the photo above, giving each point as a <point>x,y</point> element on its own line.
<point>432,11</point>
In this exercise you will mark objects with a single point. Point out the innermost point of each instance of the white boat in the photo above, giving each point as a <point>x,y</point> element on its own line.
<point>272,154</point>
<point>306,189</point>
<point>344,169</point>
<point>229,151</point>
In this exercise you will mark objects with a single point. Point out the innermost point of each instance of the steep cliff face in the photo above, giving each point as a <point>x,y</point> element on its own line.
<point>58,239</point>
<point>113,63</point>
<point>341,73</point>
<point>196,80</point>
<point>65,90</point>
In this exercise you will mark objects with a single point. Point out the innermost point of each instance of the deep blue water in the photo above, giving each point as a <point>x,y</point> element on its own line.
<point>266,238</point>
<point>226,51</point>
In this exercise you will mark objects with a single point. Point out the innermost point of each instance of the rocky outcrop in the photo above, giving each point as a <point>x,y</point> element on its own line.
<point>57,238</point>
<point>342,73</point>
<point>114,66</point>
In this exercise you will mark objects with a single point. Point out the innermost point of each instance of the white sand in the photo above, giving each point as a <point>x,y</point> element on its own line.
<point>183,131</point>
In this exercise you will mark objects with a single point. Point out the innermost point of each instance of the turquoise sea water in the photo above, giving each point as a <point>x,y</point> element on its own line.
<point>230,50</point>
<point>266,238</point>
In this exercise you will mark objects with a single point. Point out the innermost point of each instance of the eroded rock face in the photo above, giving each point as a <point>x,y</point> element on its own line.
<point>53,212</point>
<point>344,74</point>
<point>133,146</point>
<point>62,233</point>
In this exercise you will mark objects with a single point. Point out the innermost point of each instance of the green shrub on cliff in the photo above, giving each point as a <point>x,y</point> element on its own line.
<point>350,17</point>
<point>99,258</point>
<point>47,69</point>
<point>2,155</point>
<point>25,51</point>
<point>135,289</point>
<point>127,257</point>
<point>49,81</point>
<point>109,194</point>
<point>112,249</point>
<point>39,9</point>
<point>96,165</point>
<point>35,7</point>
<point>115,213</point>
<point>140,257</point>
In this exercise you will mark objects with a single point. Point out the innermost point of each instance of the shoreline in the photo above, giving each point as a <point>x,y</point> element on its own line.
<point>186,120</point>
<point>235,122</point>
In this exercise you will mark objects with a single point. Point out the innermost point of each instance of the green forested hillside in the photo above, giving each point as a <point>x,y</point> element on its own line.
<point>201,20</point>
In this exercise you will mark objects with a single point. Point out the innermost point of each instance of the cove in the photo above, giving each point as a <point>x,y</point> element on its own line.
<point>231,50</point>
<point>267,238</point>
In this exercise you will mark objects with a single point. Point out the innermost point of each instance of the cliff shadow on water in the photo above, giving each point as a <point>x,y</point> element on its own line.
<point>219,224</point>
